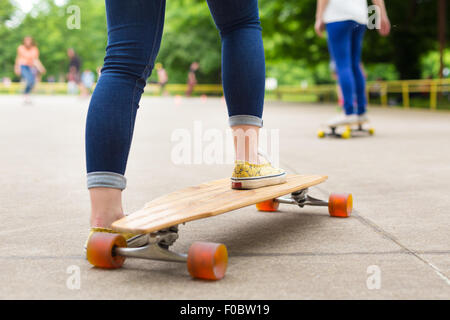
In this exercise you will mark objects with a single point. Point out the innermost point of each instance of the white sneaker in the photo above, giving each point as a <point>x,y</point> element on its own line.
<point>343,120</point>
<point>27,100</point>
<point>363,118</point>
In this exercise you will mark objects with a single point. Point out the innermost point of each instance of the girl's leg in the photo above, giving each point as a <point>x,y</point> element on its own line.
<point>339,43</point>
<point>243,70</point>
<point>360,81</point>
<point>243,77</point>
<point>134,36</point>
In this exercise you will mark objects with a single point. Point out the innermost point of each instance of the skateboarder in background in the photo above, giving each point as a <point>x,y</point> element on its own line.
<point>334,76</point>
<point>73,76</point>
<point>345,22</point>
<point>87,82</point>
<point>163,78</point>
<point>192,78</point>
<point>134,36</point>
<point>28,64</point>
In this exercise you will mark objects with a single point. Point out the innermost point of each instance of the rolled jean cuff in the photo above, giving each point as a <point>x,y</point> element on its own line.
<point>245,119</point>
<point>105,179</point>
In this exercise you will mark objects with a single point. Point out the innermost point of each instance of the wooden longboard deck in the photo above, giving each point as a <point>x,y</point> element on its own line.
<point>205,200</point>
<point>345,125</point>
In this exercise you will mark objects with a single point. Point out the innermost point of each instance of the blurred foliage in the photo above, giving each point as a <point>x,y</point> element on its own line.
<point>6,11</point>
<point>414,34</point>
<point>190,35</point>
<point>294,53</point>
<point>430,63</point>
<point>289,33</point>
<point>46,23</point>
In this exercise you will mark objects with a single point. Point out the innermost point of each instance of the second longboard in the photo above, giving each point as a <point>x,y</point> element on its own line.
<point>347,131</point>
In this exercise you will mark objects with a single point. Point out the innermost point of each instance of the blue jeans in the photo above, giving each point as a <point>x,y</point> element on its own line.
<point>134,35</point>
<point>345,45</point>
<point>30,79</point>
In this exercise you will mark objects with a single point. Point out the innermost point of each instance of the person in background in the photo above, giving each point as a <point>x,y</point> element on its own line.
<point>27,65</point>
<point>73,81</point>
<point>334,76</point>
<point>99,72</point>
<point>163,78</point>
<point>87,82</point>
<point>73,76</point>
<point>346,22</point>
<point>192,78</point>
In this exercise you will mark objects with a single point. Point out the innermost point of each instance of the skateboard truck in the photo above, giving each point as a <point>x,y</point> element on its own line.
<point>339,205</point>
<point>360,128</point>
<point>153,249</point>
<point>205,260</point>
<point>301,198</point>
<point>156,248</point>
<point>347,133</point>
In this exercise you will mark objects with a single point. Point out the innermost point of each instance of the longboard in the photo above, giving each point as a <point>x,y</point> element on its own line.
<point>349,129</point>
<point>159,218</point>
<point>205,200</point>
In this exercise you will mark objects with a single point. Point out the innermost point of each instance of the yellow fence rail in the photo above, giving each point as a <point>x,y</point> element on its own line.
<point>380,89</point>
<point>405,88</point>
<point>62,88</point>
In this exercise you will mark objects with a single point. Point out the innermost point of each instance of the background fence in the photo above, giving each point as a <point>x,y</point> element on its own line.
<point>431,94</point>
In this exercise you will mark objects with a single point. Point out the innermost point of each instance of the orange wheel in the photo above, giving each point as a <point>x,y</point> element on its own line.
<point>269,205</point>
<point>100,250</point>
<point>340,205</point>
<point>207,260</point>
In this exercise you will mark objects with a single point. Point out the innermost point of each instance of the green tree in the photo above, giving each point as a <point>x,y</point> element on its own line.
<point>289,33</point>
<point>293,52</point>
<point>414,35</point>
<point>190,35</point>
<point>6,13</point>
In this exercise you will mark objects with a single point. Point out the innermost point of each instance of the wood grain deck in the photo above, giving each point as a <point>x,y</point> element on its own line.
<point>205,200</point>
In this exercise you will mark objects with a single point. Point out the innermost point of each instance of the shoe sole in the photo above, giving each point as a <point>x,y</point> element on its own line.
<point>254,183</point>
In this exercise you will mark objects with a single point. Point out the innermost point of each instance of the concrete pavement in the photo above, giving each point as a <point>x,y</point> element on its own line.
<point>397,240</point>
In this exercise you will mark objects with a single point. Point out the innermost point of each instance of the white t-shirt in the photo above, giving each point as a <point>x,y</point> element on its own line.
<point>341,10</point>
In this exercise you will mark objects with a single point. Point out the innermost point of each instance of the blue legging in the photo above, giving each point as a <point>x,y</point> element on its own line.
<point>134,34</point>
<point>345,45</point>
<point>30,79</point>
